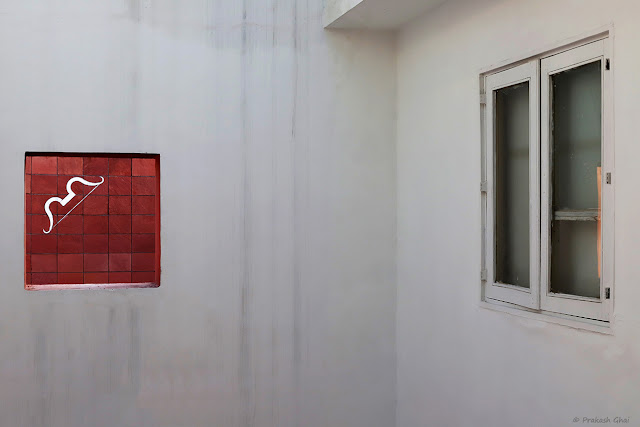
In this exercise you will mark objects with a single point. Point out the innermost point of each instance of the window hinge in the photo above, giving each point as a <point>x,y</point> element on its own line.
<point>608,178</point>
<point>483,99</point>
<point>607,64</point>
<point>607,293</point>
<point>483,186</point>
<point>483,275</point>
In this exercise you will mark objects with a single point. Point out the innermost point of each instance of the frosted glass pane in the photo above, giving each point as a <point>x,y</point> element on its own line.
<point>576,137</point>
<point>576,147</point>
<point>512,185</point>
<point>574,266</point>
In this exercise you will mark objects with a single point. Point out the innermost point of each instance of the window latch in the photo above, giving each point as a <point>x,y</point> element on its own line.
<point>608,178</point>
<point>607,293</point>
<point>607,64</point>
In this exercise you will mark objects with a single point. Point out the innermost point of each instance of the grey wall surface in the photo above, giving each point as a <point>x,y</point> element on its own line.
<point>277,303</point>
<point>460,364</point>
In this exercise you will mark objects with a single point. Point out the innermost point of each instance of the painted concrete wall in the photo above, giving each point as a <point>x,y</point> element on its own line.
<point>459,364</point>
<point>277,303</point>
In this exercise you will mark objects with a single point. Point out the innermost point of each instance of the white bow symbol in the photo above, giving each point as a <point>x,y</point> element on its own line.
<point>67,199</point>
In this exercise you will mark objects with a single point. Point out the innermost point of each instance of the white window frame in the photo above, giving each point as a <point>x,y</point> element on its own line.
<point>526,297</point>
<point>538,70</point>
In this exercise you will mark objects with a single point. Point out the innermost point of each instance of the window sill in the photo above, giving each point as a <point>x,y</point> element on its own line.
<point>84,287</point>
<point>544,316</point>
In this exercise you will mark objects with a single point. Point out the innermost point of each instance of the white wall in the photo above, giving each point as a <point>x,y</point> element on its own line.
<point>459,364</point>
<point>277,303</point>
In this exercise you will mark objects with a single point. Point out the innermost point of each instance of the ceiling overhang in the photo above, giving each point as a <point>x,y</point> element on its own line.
<point>374,14</point>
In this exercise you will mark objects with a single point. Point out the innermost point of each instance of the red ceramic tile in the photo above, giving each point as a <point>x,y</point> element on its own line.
<point>96,262</point>
<point>119,166</point>
<point>70,278</point>
<point>143,242</point>
<point>96,224</point>
<point>44,184</point>
<point>143,186</point>
<point>27,244</point>
<point>97,166</point>
<point>119,185</point>
<point>27,279</point>
<point>119,224</point>
<point>39,223</point>
<point>96,243</point>
<point>143,277</point>
<point>28,198</point>
<point>120,262</point>
<point>77,187</point>
<point>101,189</point>
<point>27,184</point>
<point>143,262</point>
<point>38,202</point>
<point>44,244</point>
<point>71,224</point>
<point>44,165</point>
<point>27,164</point>
<point>27,263</point>
<point>44,278</point>
<point>70,244</point>
<point>119,205</point>
<point>27,224</point>
<point>96,205</point>
<point>119,243</point>
<point>143,205</point>
<point>70,263</point>
<point>96,278</point>
<point>44,263</point>
<point>143,223</point>
<point>143,167</point>
<point>74,207</point>
<point>120,277</point>
<point>70,166</point>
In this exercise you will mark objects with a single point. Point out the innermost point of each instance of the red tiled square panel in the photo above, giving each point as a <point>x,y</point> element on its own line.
<point>143,242</point>
<point>143,205</point>
<point>119,224</point>
<point>70,166</point>
<point>119,205</point>
<point>71,224</point>
<point>96,243</point>
<point>70,263</point>
<point>143,262</point>
<point>119,185</point>
<point>96,224</point>
<point>96,262</point>
<point>119,243</point>
<point>143,186</point>
<point>143,167</point>
<point>44,278</point>
<point>44,263</point>
<point>120,277</point>
<point>143,224</point>
<point>44,165</point>
<point>70,278</point>
<point>96,166</point>
<point>120,167</point>
<point>44,244</point>
<point>91,219</point>
<point>70,244</point>
<point>120,262</point>
<point>96,278</point>
<point>96,205</point>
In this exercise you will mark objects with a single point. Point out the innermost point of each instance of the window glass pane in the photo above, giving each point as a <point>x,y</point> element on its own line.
<point>512,184</point>
<point>576,139</point>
